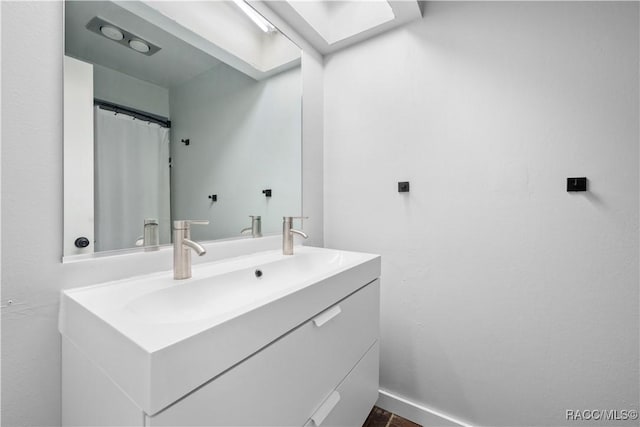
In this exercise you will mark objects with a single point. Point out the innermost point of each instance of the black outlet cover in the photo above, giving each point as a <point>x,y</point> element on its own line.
<point>403,187</point>
<point>577,184</point>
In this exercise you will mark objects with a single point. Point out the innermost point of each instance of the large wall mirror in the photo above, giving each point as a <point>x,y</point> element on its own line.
<point>177,110</point>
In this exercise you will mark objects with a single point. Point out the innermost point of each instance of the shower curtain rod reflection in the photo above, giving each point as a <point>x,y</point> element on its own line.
<point>140,115</point>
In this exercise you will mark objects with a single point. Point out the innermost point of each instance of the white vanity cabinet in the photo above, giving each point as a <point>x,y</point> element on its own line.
<point>319,366</point>
<point>289,381</point>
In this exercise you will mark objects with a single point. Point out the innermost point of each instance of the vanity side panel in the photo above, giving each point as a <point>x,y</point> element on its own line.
<point>126,363</point>
<point>89,397</point>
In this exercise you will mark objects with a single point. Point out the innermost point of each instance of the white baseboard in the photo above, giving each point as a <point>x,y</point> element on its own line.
<point>415,412</point>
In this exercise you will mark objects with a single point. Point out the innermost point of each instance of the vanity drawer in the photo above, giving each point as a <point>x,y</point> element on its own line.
<point>284,383</point>
<point>352,401</point>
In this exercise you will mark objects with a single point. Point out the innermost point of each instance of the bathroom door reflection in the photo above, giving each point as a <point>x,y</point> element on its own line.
<point>132,180</point>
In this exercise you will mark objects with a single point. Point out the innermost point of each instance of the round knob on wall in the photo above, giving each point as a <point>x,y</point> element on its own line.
<point>81,242</point>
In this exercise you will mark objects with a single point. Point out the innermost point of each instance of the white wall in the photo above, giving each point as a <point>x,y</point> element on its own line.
<point>244,137</point>
<point>32,273</point>
<point>78,154</point>
<point>505,300</point>
<point>312,126</point>
<point>119,88</point>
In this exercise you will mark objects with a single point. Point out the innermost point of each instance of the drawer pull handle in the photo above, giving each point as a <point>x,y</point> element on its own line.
<point>325,409</point>
<point>327,315</point>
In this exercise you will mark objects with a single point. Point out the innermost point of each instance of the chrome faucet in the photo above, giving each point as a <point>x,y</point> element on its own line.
<point>288,232</point>
<point>256,226</point>
<point>182,245</point>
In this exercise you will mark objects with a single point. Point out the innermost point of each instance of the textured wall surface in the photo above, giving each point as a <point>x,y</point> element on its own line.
<point>505,299</point>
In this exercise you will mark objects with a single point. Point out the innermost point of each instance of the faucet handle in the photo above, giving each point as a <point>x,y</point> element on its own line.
<point>284,218</point>
<point>186,223</point>
<point>254,216</point>
<point>150,221</point>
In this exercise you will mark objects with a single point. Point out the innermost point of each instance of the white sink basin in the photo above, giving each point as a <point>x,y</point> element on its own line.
<point>218,296</point>
<point>159,338</point>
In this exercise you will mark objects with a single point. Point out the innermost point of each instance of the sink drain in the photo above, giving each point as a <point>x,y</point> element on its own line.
<point>258,273</point>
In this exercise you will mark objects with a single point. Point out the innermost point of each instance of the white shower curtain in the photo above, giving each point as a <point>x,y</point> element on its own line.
<point>131,179</point>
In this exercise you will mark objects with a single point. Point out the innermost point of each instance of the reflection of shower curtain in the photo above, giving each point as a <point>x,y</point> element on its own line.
<point>131,179</point>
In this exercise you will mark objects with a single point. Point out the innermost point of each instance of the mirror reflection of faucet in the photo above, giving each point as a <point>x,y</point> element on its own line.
<point>182,246</point>
<point>288,232</point>
<point>151,234</point>
<point>256,226</point>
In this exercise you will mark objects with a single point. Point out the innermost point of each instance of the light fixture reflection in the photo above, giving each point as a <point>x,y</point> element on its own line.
<point>111,32</point>
<point>257,19</point>
<point>139,46</point>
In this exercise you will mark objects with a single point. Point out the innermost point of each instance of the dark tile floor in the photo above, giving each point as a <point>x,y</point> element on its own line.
<point>378,417</point>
